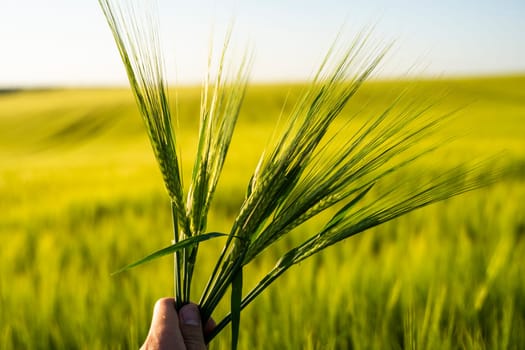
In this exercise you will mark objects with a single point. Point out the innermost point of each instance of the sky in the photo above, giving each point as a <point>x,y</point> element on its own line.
<point>68,43</point>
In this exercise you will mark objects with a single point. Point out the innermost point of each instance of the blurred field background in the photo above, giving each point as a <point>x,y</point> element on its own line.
<point>81,195</point>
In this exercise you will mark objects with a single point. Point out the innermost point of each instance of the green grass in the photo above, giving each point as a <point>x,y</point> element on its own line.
<point>81,196</point>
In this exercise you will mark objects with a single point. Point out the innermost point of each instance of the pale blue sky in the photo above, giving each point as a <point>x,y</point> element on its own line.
<point>67,42</point>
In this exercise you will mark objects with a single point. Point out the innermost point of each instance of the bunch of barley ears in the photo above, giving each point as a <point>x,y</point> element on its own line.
<point>307,171</point>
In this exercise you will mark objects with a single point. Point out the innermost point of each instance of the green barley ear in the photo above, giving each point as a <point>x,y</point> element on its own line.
<point>275,183</point>
<point>133,24</point>
<point>221,102</point>
<point>220,106</point>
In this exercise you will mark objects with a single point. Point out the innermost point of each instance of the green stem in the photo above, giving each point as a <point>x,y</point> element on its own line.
<point>190,255</point>
<point>231,268</point>
<point>215,275</point>
<point>178,259</point>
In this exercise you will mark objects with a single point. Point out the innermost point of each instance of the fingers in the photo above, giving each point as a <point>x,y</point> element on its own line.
<point>164,332</point>
<point>170,331</point>
<point>191,327</point>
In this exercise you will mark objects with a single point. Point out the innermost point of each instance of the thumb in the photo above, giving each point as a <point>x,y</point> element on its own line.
<point>191,327</point>
<point>164,332</point>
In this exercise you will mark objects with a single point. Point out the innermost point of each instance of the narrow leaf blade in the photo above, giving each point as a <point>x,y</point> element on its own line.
<point>236,300</point>
<point>188,242</point>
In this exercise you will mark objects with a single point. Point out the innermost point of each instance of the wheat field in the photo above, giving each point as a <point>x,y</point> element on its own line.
<point>81,196</point>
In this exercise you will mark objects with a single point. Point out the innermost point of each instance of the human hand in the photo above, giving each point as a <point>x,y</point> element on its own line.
<point>176,331</point>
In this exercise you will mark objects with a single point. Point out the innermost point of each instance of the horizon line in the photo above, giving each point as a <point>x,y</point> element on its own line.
<point>5,89</point>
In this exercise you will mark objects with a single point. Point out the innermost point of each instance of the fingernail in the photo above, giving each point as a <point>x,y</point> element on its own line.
<point>190,315</point>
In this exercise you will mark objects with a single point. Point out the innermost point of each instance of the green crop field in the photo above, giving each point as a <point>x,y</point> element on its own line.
<point>81,196</point>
